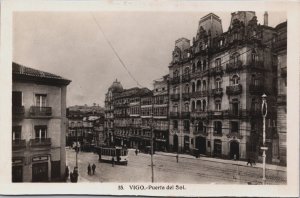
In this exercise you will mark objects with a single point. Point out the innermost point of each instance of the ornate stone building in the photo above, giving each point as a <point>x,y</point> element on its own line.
<point>216,85</point>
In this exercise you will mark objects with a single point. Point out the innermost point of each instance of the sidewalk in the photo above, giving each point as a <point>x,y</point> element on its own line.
<point>225,161</point>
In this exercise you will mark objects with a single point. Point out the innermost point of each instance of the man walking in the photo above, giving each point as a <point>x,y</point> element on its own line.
<point>136,151</point>
<point>112,161</point>
<point>89,169</point>
<point>93,168</point>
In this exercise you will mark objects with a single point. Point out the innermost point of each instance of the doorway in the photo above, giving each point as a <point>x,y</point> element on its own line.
<point>175,143</point>
<point>234,150</point>
<point>40,172</point>
<point>201,145</point>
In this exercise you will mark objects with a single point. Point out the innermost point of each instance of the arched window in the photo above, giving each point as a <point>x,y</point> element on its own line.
<point>204,105</point>
<point>198,105</point>
<point>199,65</point>
<point>235,58</point>
<point>235,79</point>
<point>253,56</point>
<point>175,90</point>
<point>218,105</point>
<point>204,85</point>
<point>186,107</point>
<point>198,85</point>
<point>193,106</point>
<point>193,67</point>
<point>176,73</point>
<point>218,83</point>
<point>187,88</point>
<point>175,108</point>
<point>200,126</point>
<point>193,87</point>
<point>187,71</point>
<point>204,65</point>
<point>218,127</point>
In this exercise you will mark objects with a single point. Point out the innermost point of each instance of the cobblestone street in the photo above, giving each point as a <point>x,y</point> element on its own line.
<point>166,169</point>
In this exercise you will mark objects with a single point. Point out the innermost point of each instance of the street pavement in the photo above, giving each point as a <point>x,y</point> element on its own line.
<point>189,169</point>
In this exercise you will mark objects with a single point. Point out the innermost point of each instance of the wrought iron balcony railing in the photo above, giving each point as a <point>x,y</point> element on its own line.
<point>185,115</point>
<point>18,144</point>
<point>234,135</point>
<point>174,97</point>
<point>218,92</point>
<point>186,96</point>
<point>234,66</point>
<point>199,114</point>
<point>43,142</point>
<point>216,71</point>
<point>216,114</point>
<point>174,114</point>
<point>234,89</point>
<point>40,111</point>
<point>199,94</point>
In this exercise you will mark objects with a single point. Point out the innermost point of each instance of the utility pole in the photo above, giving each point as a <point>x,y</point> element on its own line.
<point>264,110</point>
<point>77,147</point>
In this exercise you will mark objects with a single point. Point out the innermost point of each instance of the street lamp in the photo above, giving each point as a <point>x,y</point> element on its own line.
<point>264,111</point>
<point>151,125</point>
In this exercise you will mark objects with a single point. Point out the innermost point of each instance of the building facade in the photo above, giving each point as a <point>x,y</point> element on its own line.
<point>39,125</point>
<point>216,84</point>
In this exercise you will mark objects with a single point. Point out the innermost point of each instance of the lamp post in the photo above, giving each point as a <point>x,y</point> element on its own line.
<point>152,171</point>
<point>264,111</point>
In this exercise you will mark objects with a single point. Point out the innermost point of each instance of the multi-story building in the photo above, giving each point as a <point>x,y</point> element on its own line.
<point>160,102</point>
<point>38,125</point>
<point>216,85</point>
<point>280,53</point>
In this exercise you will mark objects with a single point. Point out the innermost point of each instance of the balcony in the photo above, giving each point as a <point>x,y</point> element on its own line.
<point>216,114</point>
<point>186,78</point>
<point>218,92</point>
<point>234,135</point>
<point>234,89</point>
<point>198,94</point>
<point>231,67</point>
<point>36,111</point>
<point>216,71</point>
<point>186,96</point>
<point>256,89</point>
<point>18,111</point>
<point>185,115</point>
<point>175,80</point>
<point>198,132</point>
<point>217,134</point>
<point>174,114</point>
<point>174,97</point>
<point>237,114</point>
<point>18,144</point>
<point>44,142</point>
<point>199,114</point>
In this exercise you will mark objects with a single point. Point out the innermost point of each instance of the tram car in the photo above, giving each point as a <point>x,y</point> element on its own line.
<point>118,154</point>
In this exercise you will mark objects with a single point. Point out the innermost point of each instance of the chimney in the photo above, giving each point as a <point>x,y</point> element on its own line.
<point>266,18</point>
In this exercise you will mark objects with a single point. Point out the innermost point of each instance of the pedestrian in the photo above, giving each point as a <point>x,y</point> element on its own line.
<point>93,168</point>
<point>89,169</point>
<point>112,161</point>
<point>249,161</point>
<point>71,177</point>
<point>136,151</point>
<point>177,158</point>
<point>66,173</point>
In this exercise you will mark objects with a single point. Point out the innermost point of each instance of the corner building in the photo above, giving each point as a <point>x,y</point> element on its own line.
<point>216,84</point>
<point>39,125</point>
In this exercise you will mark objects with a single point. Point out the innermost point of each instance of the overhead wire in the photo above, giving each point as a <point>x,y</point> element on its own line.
<point>115,51</point>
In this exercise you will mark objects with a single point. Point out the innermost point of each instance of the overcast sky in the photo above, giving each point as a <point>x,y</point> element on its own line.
<point>71,45</point>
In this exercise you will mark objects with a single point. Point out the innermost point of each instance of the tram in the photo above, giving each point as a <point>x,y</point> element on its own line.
<point>106,154</point>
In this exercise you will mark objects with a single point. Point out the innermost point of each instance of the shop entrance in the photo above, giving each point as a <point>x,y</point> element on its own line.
<point>234,150</point>
<point>40,172</point>
<point>17,173</point>
<point>201,145</point>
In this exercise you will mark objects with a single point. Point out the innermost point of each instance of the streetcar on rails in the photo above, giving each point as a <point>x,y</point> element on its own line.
<point>118,155</point>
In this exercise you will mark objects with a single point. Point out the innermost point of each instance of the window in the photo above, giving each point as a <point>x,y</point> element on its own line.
<point>40,132</point>
<point>193,68</point>
<point>235,59</point>
<point>186,107</point>
<point>175,73</point>
<point>40,100</point>
<point>175,124</point>
<point>218,105</point>
<point>175,108</point>
<point>186,125</point>
<point>200,126</point>
<point>234,126</point>
<point>204,65</point>
<point>204,85</point>
<point>204,105</point>
<point>218,62</point>
<point>187,71</point>
<point>187,88</point>
<point>218,83</point>
<point>198,85</point>
<point>235,107</point>
<point>218,127</point>
<point>199,65</point>
<point>193,105</point>
<point>16,133</point>
<point>16,98</point>
<point>253,56</point>
<point>198,105</point>
<point>193,87</point>
<point>235,80</point>
<point>175,90</point>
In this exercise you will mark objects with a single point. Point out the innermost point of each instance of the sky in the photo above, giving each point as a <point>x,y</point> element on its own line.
<point>70,44</point>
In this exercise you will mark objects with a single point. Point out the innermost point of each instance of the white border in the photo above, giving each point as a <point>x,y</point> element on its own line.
<point>9,6</point>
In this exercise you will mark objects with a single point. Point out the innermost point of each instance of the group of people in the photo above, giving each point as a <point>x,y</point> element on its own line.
<point>73,175</point>
<point>91,168</point>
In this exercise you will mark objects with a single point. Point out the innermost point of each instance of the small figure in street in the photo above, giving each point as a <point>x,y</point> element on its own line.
<point>66,173</point>
<point>249,162</point>
<point>112,161</point>
<point>93,168</point>
<point>89,169</point>
<point>234,157</point>
<point>136,152</point>
<point>177,158</point>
